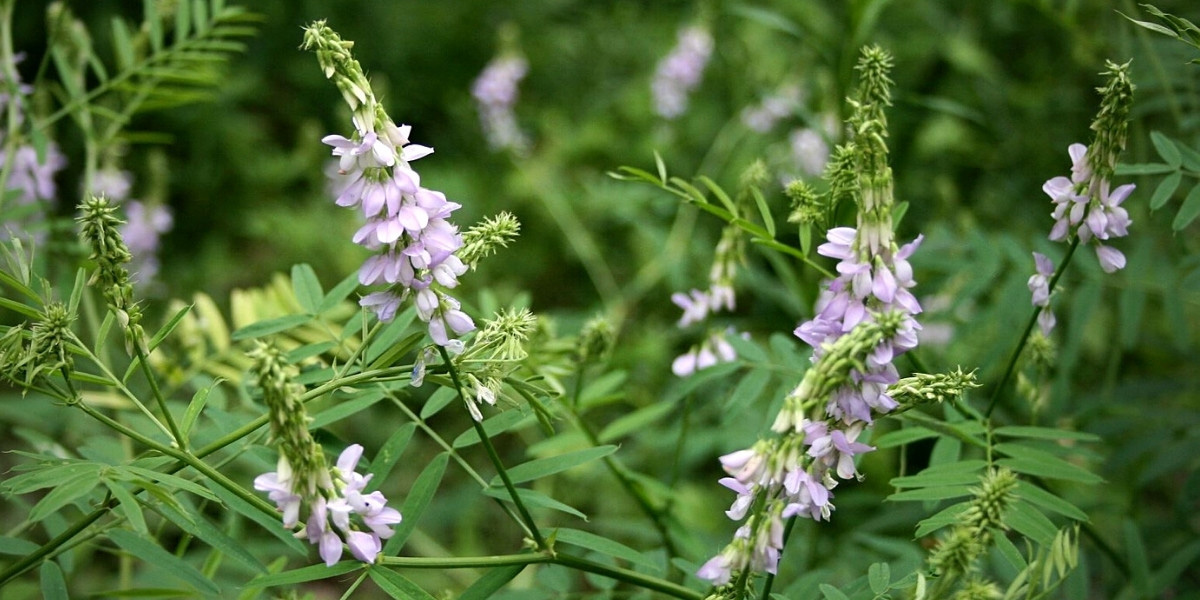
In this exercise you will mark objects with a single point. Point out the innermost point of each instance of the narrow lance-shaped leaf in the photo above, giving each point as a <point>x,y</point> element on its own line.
<point>54,587</point>
<point>396,585</point>
<point>603,545</point>
<point>128,505</point>
<point>1188,211</point>
<point>307,288</point>
<point>305,574</point>
<point>419,496</point>
<point>152,554</point>
<point>491,583</point>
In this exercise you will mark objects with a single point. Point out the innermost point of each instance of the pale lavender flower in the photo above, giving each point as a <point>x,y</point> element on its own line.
<point>33,176</point>
<point>1111,259</point>
<point>810,151</point>
<point>1039,287</point>
<point>385,304</point>
<point>680,71</point>
<point>695,305</point>
<point>495,92</point>
<point>715,349</point>
<point>774,108</point>
<point>112,182</point>
<point>142,229</point>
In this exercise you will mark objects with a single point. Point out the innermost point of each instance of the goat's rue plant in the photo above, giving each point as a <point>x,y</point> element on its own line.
<point>215,495</point>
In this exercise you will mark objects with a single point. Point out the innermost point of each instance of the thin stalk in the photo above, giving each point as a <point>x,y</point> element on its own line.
<point>466,562</point>
<point>621,472</point>
<point>1016,353</point>
<point>461,462</point>
<point>117,383</point>
<point>180,439</point>
<point>632,577</point>
<point>545,557</point>
<point>495,458</point>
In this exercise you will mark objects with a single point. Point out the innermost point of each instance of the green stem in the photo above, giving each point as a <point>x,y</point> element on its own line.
<point>545,557</point>
<point>465,562</point>
<point>180,439</point>
<point>621,472</point>
<point>118,383</point>
<point>458,459</point>
<point>495,458</point>
<point>632,577</point>
<point>1016,353</point>
<point>33,558</point>
<point>787,532</point>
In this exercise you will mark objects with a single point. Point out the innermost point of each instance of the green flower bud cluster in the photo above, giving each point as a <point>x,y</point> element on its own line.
<point>340,66</point>
<point>27,355</point>
<point>495,353</point>
<point>100,231</point>
<point>289,420</point>
<point>972,535</point>
<point>924,388</point>
<point>485,238</point>
<point>595,340</point>
<point>844,355</point>
<point>807,206</point>
<point>1111,125</point>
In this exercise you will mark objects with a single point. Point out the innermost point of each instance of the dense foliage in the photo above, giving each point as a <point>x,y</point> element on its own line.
<point>844,198</point>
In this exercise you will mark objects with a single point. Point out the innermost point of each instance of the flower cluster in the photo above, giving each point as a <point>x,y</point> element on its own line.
<point>774,108</point>
<point>864,319</point>
<point>1087,208</point>
<point>697,305</point>
<point>495,92</point>
<point>31,176</point>
<point>303,481</point>
<point>407,225</point>
<point>794,474</point>
<point>340,494</point>
<point>680,71</point>
<point>100,231</point>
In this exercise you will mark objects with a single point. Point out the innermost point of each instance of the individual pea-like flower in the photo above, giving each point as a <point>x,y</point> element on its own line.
<point>680,71</point>
<point>1039,287</point>
<point>715,349</point>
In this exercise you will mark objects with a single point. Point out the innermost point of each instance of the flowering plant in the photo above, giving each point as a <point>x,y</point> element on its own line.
<point>899,405</point>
